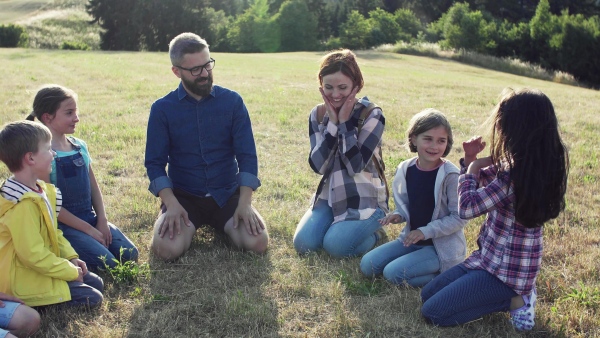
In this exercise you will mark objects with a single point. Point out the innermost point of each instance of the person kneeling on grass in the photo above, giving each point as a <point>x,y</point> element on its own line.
<point>425,196</point>
<point>345,134</point>
<point>38,264</point>
<point>519,187</point>
<point>204,134</point>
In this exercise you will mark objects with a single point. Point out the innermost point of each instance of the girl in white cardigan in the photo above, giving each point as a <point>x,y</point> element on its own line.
<point>425,194</point>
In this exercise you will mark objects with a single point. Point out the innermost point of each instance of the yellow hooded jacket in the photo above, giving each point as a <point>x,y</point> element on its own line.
<point>34,255</point>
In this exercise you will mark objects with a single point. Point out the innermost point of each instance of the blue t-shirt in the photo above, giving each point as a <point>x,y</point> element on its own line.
<point>420,186</point>
<point>84,152</point>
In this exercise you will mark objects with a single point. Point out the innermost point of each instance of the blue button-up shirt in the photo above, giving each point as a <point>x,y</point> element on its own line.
<point>208,144</point>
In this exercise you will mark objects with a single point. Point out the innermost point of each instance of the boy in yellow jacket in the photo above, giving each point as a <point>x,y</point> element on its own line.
<point>38,264</point>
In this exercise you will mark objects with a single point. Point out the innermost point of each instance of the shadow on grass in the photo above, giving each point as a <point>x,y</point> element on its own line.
<point>211,291</point>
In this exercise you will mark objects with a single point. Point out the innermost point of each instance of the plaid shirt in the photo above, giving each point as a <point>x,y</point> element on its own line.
<point>353,187</point>
<point>507,249</point>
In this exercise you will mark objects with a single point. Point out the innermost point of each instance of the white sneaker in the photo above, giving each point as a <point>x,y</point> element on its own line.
<point>522,319</point>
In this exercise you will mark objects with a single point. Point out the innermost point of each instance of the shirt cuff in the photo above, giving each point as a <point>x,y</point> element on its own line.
<point>159,184</point>
<point>344,127</point>
<point>463,168</point>
<point>248,180</point>
<point>332,128</point>
<point>464,177</point>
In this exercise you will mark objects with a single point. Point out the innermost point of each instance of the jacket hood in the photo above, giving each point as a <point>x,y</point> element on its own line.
<point>13,192</point>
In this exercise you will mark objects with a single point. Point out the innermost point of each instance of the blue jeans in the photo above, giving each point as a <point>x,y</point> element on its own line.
<point>460,295</point>
<point>6,314</point>
<point>342,239</point>
<point>88,293</point>
<point>415,264</point>
<point>90,250</point>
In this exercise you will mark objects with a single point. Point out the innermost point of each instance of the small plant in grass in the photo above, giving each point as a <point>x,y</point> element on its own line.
<point>358,287</point>
<point>127,272</point>
<point>585,296</point>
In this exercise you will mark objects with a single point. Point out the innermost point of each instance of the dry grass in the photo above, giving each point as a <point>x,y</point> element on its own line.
<point>215,292</point>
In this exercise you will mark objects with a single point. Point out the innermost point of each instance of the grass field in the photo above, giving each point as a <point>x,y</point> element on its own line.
<point>215,292</point>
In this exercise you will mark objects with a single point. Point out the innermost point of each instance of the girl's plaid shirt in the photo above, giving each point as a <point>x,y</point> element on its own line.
<point>507,249</point>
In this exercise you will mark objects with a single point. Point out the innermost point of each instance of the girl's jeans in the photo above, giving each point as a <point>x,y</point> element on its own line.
<point>415,264</point>
<point>94,254</point>
<point>460,295</point>
<point>342,239</point>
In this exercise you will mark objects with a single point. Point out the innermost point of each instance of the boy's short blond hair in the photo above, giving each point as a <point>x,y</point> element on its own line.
<point>19,138</point>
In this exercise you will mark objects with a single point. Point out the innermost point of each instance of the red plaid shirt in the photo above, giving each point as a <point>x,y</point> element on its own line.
<point>507,249</point>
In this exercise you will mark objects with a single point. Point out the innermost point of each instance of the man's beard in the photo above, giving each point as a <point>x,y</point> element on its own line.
<point>199,89</point>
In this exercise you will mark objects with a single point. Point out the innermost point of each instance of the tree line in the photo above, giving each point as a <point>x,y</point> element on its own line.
<point>557,34</point>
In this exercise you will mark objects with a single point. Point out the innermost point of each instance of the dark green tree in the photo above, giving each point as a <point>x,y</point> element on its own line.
<point>384,28</point>
<point>298,26</point>
<point>355,32</point>
<point>229,7</point>
<point>117,18</point>
<point>409,24</point>
<point>577,46</point>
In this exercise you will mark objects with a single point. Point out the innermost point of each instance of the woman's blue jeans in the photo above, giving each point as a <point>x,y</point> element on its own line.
<point>342,239</point>
<point>414,264</point>
<point>460,295</point>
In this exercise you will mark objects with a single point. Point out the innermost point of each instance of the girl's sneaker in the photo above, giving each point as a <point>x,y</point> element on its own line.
<point>522,319</point>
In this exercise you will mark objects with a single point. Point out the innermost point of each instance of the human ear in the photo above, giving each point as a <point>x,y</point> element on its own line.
<point>46,118</point>
<point>176,71</point>
<point>28,158</point>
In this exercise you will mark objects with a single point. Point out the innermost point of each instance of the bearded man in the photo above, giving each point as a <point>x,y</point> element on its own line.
<point>203,132</point>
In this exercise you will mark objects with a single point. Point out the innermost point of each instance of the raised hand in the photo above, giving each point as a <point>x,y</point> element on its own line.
<point>330,109</point>
<point>472,147</point>
<point>348,106</point>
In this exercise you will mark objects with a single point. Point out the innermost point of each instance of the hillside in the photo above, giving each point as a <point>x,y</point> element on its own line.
<point>15,10</point>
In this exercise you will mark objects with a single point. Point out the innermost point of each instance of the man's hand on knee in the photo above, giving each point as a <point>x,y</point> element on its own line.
<point>172,220</point>
<point>252,221</point>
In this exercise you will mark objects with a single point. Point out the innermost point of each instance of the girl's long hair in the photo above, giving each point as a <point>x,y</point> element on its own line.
<point>525,137</point>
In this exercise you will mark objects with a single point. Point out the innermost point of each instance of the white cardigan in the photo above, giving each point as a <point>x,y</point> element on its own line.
<point>446,226</point>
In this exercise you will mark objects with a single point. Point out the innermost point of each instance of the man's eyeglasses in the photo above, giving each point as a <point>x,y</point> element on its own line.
<point>210,65</point>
